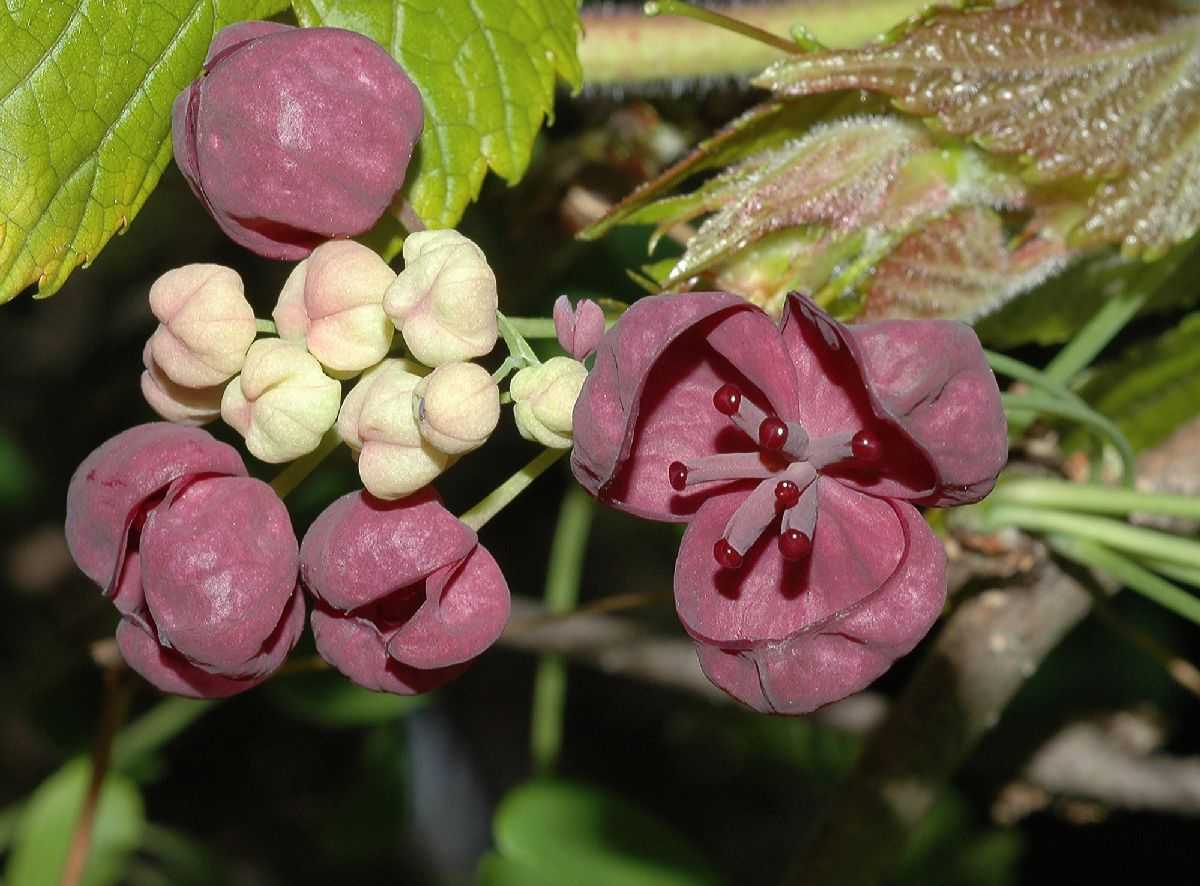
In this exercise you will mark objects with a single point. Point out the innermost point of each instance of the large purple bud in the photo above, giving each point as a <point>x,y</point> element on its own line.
<point>200,560</point>
<point>293,136</point>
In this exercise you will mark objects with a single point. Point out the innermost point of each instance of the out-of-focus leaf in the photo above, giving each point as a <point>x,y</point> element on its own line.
<point>960,267</point>
<point>16,474</point>
<point>496,870</point>
<point>44,832</point>
<point>947,850</point>
<point>1053,312</point>
<point>1153,388</point>
<point>486,70</point>
<point>180,860</point>
<point>1103,91</point>
<point>562,832</point>
<point>329,699</point>
<point>85,121</point>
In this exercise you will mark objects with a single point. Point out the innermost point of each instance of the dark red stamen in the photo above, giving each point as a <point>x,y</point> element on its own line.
<point>772,433</point>
<point>677,473</point>
<point>867,447</point>
<point>787,494</point>
<point>727,399</point>
<point>794,544</point>
<point>727,557</point>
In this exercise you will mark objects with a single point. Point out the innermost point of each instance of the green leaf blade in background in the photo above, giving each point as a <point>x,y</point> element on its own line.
<point>562,832</point>
<point>486,70</point>
<point>85,121</point>
<point>44,831</point>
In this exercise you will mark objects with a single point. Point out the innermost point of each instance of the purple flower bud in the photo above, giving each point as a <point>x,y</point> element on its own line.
<point>406,596</point>
<point>292,136</point>
<point>579,329</point>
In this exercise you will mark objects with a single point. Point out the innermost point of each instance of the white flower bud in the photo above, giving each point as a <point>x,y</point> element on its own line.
<point>334,301</point>
<point>444,301</point>
<point>175,403</point>
<point>282,403</point>
<point>378,425</point>
<point>543,399</point>
<point>206,324</point>
<point>457,406</point>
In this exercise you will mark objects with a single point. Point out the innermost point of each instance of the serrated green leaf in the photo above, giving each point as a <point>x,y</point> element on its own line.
<point>1103,91</point>
<point>1152,388</point>
<point>486,70</point>
<point>571,833</point>
<point>959,267</point>
<point>85,121</point>
<point>44,831</point>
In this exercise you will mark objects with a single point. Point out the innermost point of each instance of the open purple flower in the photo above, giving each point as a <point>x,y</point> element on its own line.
<point>406,595</point>
<point>796,455</point>
<point>199,559</point>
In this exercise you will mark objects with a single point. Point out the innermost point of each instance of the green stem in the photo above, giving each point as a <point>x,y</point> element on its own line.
<point>1095,498</point>
<point>1094,421</point>
<point>1185,574</point>
<point>1113,533</point>
<point>1096,556</point>
<point>297,472</point>
<point>265,326</point>
<point>716,19</point>
<point>563,575</point>
<point>499,498</point>
<point>1005,365</point>
<point>155,728</point>
<point>534,327</point>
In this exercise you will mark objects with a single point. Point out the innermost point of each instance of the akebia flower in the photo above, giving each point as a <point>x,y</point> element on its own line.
<point>199,559</point>
<point>292,136</point>
<point>796,455</point>
<point>544,399</point>
<point>580,328</point>
<point>406,596</point>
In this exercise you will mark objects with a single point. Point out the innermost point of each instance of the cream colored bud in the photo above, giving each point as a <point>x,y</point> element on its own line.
<point>334,301</point>
<point>175,403</point>
<point>543,399</point>
<point>457,407</point>
<point>205,324</point>
<point>444,301</point>
<point>282,403</point>
<point>378,425</point>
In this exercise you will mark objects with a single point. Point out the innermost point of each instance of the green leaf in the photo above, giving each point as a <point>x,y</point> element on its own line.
<point>1153,388</point>
<point>486,70</point>
<point>44,832</point>
<point>16,474</point>
<point>561,832</point>
<point>1040,80</point>
<point>329,699</point>
<point>85,121</point>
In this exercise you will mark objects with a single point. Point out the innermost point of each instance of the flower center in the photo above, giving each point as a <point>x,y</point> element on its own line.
<point>786,464</point>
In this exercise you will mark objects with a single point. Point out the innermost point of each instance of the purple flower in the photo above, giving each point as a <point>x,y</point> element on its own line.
<point>292,136</point>
<point>795,455</point>
<point>406,596</point>
<point>199,559</point>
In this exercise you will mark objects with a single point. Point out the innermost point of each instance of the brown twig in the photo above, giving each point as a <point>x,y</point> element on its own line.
<point>117,692</point>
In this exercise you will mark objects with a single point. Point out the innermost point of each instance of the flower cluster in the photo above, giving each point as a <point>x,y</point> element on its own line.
<point>806,569</point>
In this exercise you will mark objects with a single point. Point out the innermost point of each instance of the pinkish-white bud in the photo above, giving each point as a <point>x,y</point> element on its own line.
<point>205,324</point>
<point>378,424</point>
<point>579,329</point>
<point>282,403</point>
<point>457,406</point>
<point>333,300</point>
<point>175,403</point>
<point>544,398</point>
<point>444,301</point>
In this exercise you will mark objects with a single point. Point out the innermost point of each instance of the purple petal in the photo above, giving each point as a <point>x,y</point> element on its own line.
<point>466,607</point>
<point>931,379</point>
<point>361,549</point>
<point>358,650</point>
<point>170,671</point>
<point>234,35</point>
<point>857,545</point>
<point>121,475</point>
<point>648,400</point>
<point>219,565</point>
